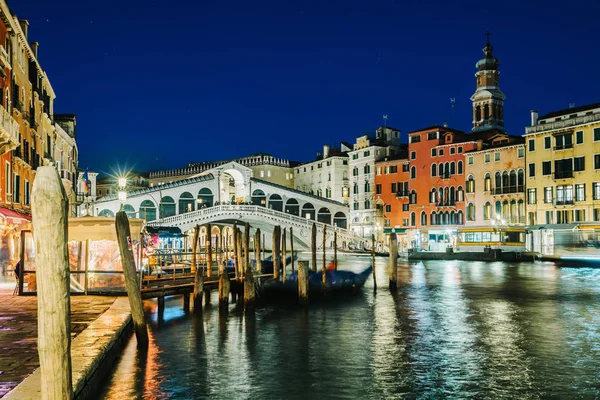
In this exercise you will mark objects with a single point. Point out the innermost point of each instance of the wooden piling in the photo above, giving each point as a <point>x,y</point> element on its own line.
<point>283,257</point>
<point>292,247</point>
<point>209,255</point>
<point>50,215</point>
<point>224,286</point>
<point>246,247</point>
<point>373,261</point>
<point>131,281</point>
<point>393,261</point>
<point>235,250</point>
<point>186,302</point>
<point>218,254</point>
<point>249,291</point>
<point>275,251</point>
<point>335,250</point>
<point>324,266</point>
<point>198,273</point>
<point>313,247</point>
<point>264,240</point>
<point>257,251</point>
<point>240,257</point>
<point>303,282</point>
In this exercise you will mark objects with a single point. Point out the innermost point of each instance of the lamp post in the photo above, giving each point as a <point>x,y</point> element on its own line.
<point>122,193</point>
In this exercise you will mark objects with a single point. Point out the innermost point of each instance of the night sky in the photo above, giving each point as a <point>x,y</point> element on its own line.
<point>158,84</point>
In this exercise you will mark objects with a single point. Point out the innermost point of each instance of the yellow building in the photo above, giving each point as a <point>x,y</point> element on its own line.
<point>563,166</point>
<point>496,182</point>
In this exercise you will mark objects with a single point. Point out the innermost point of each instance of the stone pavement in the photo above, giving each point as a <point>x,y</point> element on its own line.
<point>18,332</point>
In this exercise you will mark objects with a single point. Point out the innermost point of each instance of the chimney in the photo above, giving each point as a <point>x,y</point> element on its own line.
<point>34,48</point>
<point>24,25</point>
<point>325,151</point>
<point>534,117</point>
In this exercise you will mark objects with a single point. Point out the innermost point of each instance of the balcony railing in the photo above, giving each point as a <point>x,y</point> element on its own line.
<point>449,203</point>
<point>564,202</point>
<point>563,174</point>
<point>402,193</point>
<point>9,131</point>
<point>444,176</point>
<point>586,119</point>
<point>509,189</point>
<point>564,146</point>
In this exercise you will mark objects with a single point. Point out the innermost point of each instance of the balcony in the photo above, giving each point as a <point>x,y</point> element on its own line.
<point>449,203</point>
<point>402,193</point>
<point>9,132</point>
<point>564,146</point>
<point>564,202</point>
<point>444,176</point>
<point>563,174</point>
<point>4,58</point>
<point>508,189</point>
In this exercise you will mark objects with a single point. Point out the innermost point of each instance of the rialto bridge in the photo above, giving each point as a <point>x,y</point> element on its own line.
<point>229,194</point>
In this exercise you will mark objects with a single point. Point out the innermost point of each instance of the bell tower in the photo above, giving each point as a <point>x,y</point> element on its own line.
<point>488,99</point>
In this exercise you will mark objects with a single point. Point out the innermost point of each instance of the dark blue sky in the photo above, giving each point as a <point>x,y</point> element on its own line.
<point>158,84</point>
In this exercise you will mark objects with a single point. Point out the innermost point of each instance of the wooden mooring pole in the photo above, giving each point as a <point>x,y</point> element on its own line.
<point>283,257</point>
<point>324,267</point>
<point>50,215</point>
<point>275,249</point>
<point>292,247</point>
<point>235,250</point>
<point>373,261</point>
<point>393,261</point>
<point>257,251</point>
<point>313,247</point>
<point>335,250</point>
<point>246,247</point>
<point>131,281</point>
<point>249,291</point>
<point>224,285</point>
<point>303,282</point>
<point>198,273</point>
<point>209,255</point>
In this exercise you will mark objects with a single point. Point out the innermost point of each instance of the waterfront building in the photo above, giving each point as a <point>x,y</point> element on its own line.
<point>495,182</point>
<point>365,218</point>
<point>563,166</point>
<point>327,176</point>
<point>263,166</point>
<point>392,196</point>
<point>66,156</point>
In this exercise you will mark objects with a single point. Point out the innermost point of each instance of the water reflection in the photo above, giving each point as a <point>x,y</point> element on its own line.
<point>452,330</point>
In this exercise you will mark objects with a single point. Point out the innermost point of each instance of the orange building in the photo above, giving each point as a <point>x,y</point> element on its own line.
<point>392,196</point>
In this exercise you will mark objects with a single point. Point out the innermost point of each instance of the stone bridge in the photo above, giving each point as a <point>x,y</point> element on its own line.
<point>229,194</point>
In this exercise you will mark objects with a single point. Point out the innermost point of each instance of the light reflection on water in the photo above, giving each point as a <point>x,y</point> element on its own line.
<point>453,330</point>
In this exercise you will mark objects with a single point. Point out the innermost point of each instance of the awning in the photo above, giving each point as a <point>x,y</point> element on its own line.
<point>394,230</point>
<point>100,228</point>
<point>14,217</point>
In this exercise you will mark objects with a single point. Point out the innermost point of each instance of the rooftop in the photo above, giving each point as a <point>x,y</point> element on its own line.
<point>569,111</point>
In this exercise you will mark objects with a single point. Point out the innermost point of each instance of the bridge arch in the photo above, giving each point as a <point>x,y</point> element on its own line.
<point>275,202</point>
<point>167,207</point>
<point>339,220</point>
<point>324,215</point>
<point>148,210</point>
<point>232,185</point>
<point>106,213</point>
<point>186,202</point>
<point>259,198</point>
<point>292,207</point>
<point>308,211</point>
<point>205,196</point>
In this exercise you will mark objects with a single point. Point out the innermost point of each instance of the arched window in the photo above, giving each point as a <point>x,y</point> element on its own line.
<point>355,171</point>
<point>367,187</point>
<point>513,211</point>
<point>512,179</point>
<point>447,170</point>
<point>148,210</point>
<point>129,210</point>
<point>521,211</point>
<point>498,209</point>
<point>470,212</point>
<point>452,218</point>
<point>497,182</point>
<point>487,182</point>
<point>106,213</point>
<point>413,219</point>
<point>433,170</point>
<point>441,170</point>
<point>487,211</point>
<point>367,169</point>
<point>478,108</point>
<point>486,115</point>
<point>452,168</point>
<point>367,204</point>
<point>460,168</point>
<point>460,194</point>
<point>355,188</point>
<point>356,205</point>
<point>432,196</point>
<point>459,218</point>
<point>423,218</point>
<point>505,209</point>
<point>452,197</point>
<point>470,185</point>
<point>432,219</point>
<point>167,207</point>
<point>520,181</point>
<point>505,182</point>
<point>440,198</point>
<point>413,172</point>
<point>446,196</point>
<point>413,197</point>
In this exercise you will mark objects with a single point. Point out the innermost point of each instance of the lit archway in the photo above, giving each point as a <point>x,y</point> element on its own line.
<point>308,211</point>
<point>186,202</point>
<point>324,215</point>
<point>259,198</point>
<point>292,207</point>
<point>275,202</point>
<point>340,220</point>
<point>205,198</point>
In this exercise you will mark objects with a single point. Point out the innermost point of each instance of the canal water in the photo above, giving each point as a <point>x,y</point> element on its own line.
<point>454,329</point>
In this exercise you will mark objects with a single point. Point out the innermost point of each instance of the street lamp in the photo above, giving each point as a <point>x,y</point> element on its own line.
<point>122,193</point>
